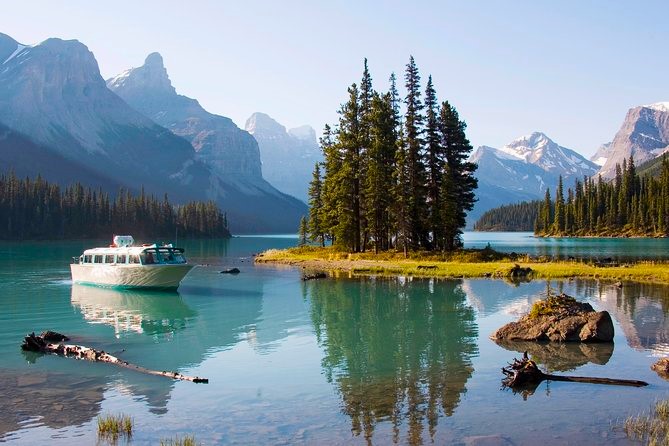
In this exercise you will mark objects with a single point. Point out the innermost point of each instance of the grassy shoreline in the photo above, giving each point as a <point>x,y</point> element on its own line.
<point>462,264</point>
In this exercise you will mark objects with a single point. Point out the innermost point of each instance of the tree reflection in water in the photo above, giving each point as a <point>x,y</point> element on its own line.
<point>398,350</point>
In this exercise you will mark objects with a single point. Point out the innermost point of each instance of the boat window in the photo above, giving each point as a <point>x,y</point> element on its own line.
<point>179,258</point>
<point>109,258</point>
<point>121,258</point>
<point>166,256</point>
<point>88,258</point>
<point>148,258</point>
<point>97,258</point>
<point>134,258</point>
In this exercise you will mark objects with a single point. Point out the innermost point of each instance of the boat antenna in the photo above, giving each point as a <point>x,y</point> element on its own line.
<point>176,235</point>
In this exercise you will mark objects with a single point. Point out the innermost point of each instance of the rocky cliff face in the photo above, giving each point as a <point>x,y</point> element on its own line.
<point>228,150</point>
<point>231,154</point>
<point>643,134</point>
<point>53,94</point>
<point>288,156</point>
<point>523,169</point>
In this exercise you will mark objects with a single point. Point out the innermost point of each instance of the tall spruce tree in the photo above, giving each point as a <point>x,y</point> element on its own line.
<point>316,218</point>
<point>458,196</point>
<point>435,163</point>
<point>349,228</point>
<point>413,141</point>
<point>379,178</point>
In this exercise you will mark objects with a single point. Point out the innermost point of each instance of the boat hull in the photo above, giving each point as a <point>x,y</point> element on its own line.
<point>164,277</point>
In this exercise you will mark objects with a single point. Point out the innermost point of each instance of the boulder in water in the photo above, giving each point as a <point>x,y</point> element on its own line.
<point>559,319</point>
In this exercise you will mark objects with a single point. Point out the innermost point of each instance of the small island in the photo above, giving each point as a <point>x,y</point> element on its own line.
<point>470,263</point>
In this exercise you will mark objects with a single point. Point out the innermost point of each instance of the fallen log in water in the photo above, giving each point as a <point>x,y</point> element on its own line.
<point>524,372</point>
<point>44,343</point>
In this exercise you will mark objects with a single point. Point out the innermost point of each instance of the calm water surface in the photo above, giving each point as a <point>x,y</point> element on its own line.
<point>336,361</point>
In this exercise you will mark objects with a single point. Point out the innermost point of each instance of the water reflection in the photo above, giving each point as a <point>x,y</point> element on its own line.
<point>132,311</point>
<point>562,356</point>
<point>397,350</point>
<point>52,399</point>
<point>641,309</point>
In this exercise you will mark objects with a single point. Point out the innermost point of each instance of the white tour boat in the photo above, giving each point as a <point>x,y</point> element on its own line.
<point>124,265</point>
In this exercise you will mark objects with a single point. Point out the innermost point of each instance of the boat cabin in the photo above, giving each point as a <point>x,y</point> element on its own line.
<point>139,255</point>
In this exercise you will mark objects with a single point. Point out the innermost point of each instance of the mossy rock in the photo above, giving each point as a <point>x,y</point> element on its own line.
<point>559,319</point>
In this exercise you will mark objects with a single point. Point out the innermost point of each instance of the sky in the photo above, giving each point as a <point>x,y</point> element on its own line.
<point>568,68</point>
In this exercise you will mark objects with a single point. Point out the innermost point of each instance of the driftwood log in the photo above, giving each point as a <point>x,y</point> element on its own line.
<point>524,372</point>
<point>52,343</point>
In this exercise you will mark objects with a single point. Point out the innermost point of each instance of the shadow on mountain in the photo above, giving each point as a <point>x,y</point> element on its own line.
<point>398,351</point>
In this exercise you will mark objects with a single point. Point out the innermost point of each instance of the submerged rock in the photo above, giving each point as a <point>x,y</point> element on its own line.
<point>559,319</point>
<point>231,271</point>
<point>314,276</point>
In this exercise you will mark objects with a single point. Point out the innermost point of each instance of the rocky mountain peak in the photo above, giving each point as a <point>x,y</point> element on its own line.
<point>304,133</point>
<point>262,125</point>
<point>7,47</point>
<point>150,77</point>
<point>643,134</point>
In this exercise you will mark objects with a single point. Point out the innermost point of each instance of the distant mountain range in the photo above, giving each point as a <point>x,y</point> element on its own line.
<point>522,170</point>
<point>288,156</point>
<point>59,119</point>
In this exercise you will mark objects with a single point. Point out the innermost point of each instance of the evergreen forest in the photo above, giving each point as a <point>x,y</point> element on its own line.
<point>629,205</point>
<point>510,217</point>
<point>37,209</point>
<point>395,174</point>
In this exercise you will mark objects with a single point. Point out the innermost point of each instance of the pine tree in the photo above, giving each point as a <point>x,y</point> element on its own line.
<point>316,224</point>
<point>379,179</point>
<point>435,163</point>
<point>415,169</point>
<point>559,218</point>
<point>460,183</point>
<point>303,232</point>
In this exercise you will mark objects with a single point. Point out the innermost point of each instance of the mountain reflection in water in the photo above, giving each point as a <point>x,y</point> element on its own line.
<point>397,350</point>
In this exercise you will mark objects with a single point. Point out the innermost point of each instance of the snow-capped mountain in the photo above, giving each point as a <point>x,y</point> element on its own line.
<point>523,169</point>
<point>643,134</point>
<point>230,153</point>
<point>288,156</point>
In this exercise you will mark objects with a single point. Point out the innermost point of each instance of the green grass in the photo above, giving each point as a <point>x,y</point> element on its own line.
<point>188,440</point>
<point>652,429</point>
<point>465,263</point>
<point>111,427</point>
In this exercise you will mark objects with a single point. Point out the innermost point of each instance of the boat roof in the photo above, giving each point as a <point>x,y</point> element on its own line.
<point>127,249</point>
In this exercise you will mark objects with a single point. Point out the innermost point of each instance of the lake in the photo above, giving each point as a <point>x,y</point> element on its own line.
<point>334,361</point>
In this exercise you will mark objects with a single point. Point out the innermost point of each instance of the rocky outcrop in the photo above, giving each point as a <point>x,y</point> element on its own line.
<point>288,156</point>
<point>643,134</point>
<point>559,319</point>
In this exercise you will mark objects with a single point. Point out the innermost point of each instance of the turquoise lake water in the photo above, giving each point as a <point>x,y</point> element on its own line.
<point>334,361</point>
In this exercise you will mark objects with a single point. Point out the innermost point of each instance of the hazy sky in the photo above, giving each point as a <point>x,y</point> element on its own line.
<point>568,68</point>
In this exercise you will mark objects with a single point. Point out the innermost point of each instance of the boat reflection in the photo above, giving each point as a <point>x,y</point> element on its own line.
<point>132,311</point>
<point>398,350</point>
